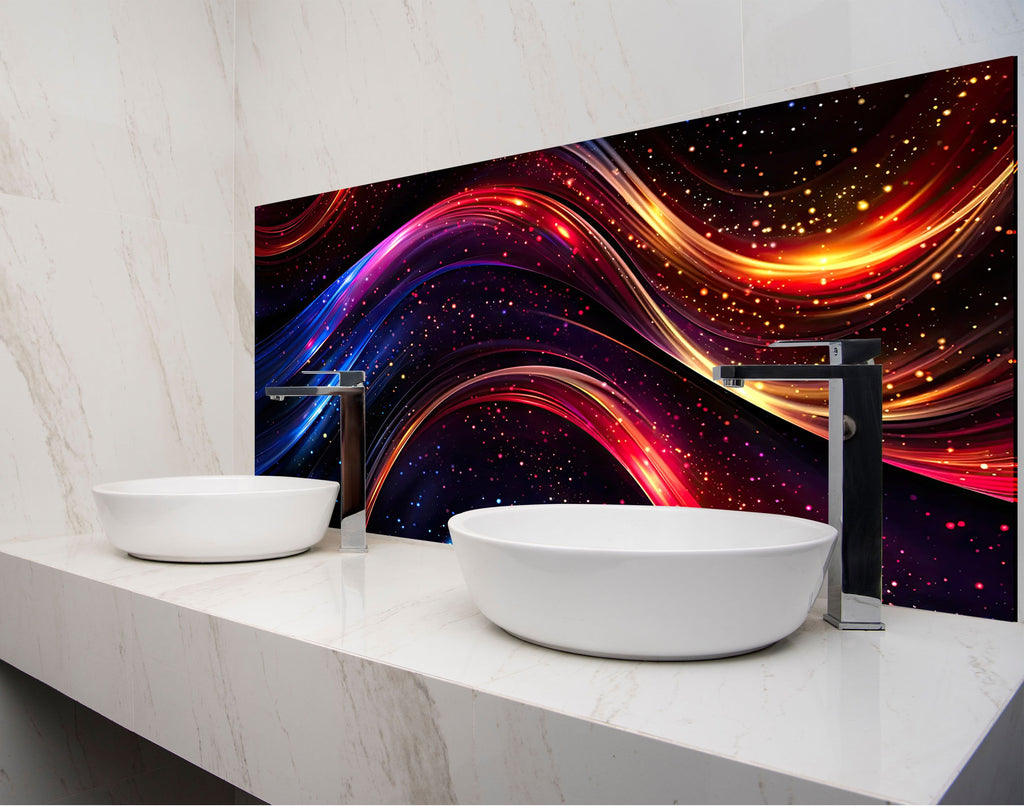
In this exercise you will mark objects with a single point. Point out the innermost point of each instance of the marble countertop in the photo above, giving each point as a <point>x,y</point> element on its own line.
<point>822,715</point>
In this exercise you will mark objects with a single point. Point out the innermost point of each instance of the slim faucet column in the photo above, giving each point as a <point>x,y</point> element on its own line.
<point>351,389</point>
<point>855,498</point>
<point>854,469</point>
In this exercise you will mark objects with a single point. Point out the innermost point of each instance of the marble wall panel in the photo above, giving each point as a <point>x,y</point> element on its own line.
<point>116,308</point>
<point>339,94</point>
<point>115,332</point>
<point>817,43</point>
<point>120,106</point>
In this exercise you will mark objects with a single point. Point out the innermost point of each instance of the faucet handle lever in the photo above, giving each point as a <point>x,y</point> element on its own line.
<point>842,351</point>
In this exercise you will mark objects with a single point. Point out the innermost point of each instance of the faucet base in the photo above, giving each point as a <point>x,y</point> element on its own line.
<point>353,533</point>
<point>854,625</point>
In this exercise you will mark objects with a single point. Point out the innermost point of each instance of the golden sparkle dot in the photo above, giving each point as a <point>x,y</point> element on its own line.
<point>919,374</point>
<point>703,292</point>
<point>946,112</point>
<point>860,100</point>
<point>983,466</point>
<point>811,210</point>
<point>974,80</point>
<point>887,188</point>
<point>853,150</point>
<point>999,229</point>
<point>862,205</point>
<point>936,275</point>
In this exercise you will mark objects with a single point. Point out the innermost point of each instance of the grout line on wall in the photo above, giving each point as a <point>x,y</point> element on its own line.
<point>233,454</point>
<point>743,59</point>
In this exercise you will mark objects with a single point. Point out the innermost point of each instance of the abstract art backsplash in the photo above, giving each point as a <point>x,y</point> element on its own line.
<point>542,327</point>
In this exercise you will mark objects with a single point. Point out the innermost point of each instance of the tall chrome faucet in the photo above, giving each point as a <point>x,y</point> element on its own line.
<point>351,388</point>
<point>854,469</point>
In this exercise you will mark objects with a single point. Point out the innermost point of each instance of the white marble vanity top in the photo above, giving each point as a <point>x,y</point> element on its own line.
<point>823,715</point>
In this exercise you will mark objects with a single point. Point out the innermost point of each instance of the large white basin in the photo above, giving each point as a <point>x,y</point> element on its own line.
<point>209,519</point>
<point>642,582</point>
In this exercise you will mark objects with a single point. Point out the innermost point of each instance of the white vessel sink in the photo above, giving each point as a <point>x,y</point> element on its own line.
<point>642,582</point>
<point>209,519</point>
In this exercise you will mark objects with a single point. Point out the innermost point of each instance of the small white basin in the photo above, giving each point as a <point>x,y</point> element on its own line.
<point>642,582</point>
<point>210,519</point>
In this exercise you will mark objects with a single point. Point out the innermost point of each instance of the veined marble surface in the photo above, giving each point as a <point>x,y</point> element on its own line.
<point>373,678</point>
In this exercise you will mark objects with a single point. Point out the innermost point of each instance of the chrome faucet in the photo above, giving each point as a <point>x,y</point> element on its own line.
<point>351,389</point>
<point>854,469</point>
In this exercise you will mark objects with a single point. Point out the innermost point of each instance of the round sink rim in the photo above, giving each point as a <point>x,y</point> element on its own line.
<point>828,533</point>
<point>262,485</point>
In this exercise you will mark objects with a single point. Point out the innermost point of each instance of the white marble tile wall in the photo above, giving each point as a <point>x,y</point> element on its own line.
<point>821,45</point>
<point>116,247</point>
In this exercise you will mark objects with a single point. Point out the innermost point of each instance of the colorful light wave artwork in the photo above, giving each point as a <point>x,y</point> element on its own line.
<point>542,327</point>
